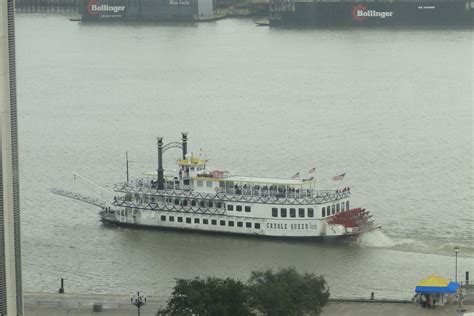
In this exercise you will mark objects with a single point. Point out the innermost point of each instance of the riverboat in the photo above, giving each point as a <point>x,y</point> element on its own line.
<point>197,199</point>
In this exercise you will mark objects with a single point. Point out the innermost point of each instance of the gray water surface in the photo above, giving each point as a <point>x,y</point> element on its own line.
<point>390,107</point>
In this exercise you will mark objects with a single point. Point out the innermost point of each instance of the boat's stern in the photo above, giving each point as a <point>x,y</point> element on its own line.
<point>349,223</point>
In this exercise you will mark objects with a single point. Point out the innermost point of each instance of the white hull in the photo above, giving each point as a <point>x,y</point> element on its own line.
<point>230,222</point>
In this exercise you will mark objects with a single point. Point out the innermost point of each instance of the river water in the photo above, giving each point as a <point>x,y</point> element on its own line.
<point>392,108</point>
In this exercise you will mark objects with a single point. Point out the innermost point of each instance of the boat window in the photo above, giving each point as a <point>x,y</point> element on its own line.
<point>247,208</point>
<point>306,226</point>
<point>202,203</point>
<point>238,208</point>
<point>163,218</point>
<point>271,225</point>
<point>193,202</point>
<point>292,212</point>
<point>240,224</point>
<point>188,220</point>
<point>323,212</point>
<point>337,208</point>
<point>214,222</point>
<point>248,225</point>
<point>257,225</point>
<point>301,212</point>
<point>285,226</point>
<point>180,219</point>
<point>222,223</point>
<point>311,212</point>
<point>211,204</point>
<point>283,212</point>
<point>231,223</point>
<point>200,183</point>
<point>176,201</point>
<point>219,204</point>
<point>230,207</point>
<point>171,218</point>
<point>205,221</point>
<point>333,208</point>
<point>185,202</point>
<point>274,212</point>
<point>299,227</point>
<point>342,206</point>
<point>192,168</point>
<point>209,184</point>
<point>347,205</point>
<point>196,221</point>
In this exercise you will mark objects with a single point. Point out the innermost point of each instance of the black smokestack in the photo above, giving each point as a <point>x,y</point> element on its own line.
<point>185,144</point>
<point>160,171</point>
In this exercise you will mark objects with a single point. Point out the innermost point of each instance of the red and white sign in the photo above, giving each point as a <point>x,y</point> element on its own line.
<point>360,13</point>
<point>94,8</point>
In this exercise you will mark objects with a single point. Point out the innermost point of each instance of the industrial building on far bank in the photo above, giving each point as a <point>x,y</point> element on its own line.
<point>149,10</point>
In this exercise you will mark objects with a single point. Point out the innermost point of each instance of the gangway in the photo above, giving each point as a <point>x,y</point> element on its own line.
<point>79,197</point>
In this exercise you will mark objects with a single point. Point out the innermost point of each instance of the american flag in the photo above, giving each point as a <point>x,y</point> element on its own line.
<point>296,176</point>
<point>339,177</point>
<point>313,170</point>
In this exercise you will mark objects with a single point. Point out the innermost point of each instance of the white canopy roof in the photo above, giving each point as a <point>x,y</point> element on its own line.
<point>265,180</point>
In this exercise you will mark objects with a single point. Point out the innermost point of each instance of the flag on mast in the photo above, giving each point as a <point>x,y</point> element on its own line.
<point>296,176</point>
<point>339,177</point>
<point>312,170</point>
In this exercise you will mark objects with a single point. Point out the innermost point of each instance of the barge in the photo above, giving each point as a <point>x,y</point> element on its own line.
<point>370,13</point>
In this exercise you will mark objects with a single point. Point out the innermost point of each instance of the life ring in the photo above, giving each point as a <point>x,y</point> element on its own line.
<point>217,190</point>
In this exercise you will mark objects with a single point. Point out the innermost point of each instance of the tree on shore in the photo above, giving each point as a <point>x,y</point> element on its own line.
<point>287,292</point>
<point>282,293</point>
<point>209,297</point>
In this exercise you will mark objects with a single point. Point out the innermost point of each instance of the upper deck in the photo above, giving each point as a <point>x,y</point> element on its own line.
<point>192,179</point>
<point>232,191</point>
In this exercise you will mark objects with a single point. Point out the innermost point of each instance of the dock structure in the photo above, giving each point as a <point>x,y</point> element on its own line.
<point>48,6</point>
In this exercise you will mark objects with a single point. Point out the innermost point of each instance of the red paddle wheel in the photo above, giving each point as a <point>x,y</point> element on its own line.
<point>356,218</point>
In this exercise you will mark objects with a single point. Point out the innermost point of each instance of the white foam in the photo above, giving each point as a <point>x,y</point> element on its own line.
<point>375,238</point>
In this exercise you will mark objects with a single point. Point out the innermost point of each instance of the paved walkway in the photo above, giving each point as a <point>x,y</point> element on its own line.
<point>387,309</point>
<point>53,304</point>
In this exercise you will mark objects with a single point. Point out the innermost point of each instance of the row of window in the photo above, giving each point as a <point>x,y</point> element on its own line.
<point>335,208</point>
<point>285,226</point>
<point>201,203</point>
<point>200,184</point>
<point>207,203</point>
<point>238,208</point>
<point>301,212</point>
<point>205,221</point>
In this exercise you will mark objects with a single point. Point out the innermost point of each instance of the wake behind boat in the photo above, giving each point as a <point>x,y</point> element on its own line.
<point>197,199</point>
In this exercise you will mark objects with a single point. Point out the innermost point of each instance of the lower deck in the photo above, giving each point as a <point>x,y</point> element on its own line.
<point>225,223</point>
